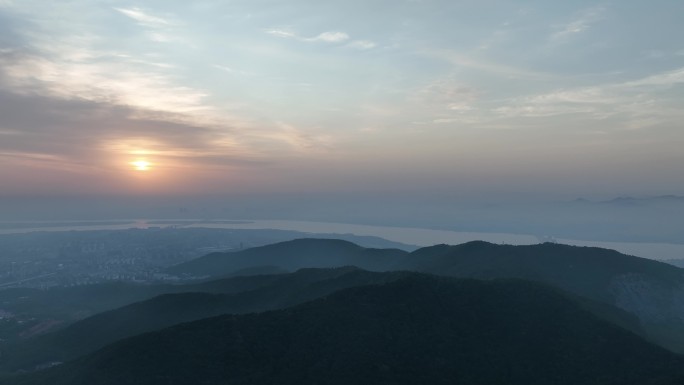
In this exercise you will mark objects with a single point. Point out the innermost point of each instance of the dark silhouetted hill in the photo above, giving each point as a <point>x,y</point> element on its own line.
<point>651,293</point>
<point>204,300</point>
<point>418,330</point>
<point>651,290</point>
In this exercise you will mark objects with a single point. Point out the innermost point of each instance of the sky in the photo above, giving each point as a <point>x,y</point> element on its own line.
<point>381,99</point>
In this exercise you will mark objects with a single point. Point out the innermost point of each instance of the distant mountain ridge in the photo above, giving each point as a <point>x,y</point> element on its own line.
<point>652,199</point>
<point>629,200</point>
<point>292,255</point>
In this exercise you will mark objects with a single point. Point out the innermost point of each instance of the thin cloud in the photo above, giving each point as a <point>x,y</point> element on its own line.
<point>282,33</point>
<point>580,24</point>
<point>298,139</point>
<point>362,44</point>
<point>539,111</point>
<point>32,156</point>
<point>71,69</point>
<point>43,130</point>
<point>478,64</point>
<point>326,37</point>
<point>584,95</point>
<point>447,93</point>
<point>330,37</point>
<point>233,71</point>
<point>667,79</point>
<point>637,100</point>
<point>159,30</point>
<point>93,81</point>
<point>144,18</point>
<point>138,102</point>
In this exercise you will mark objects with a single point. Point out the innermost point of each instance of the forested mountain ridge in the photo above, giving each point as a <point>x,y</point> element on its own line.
<point>234,295</point>
<point>421,329</point>
<point>633,294</point>
<point>651,290</point>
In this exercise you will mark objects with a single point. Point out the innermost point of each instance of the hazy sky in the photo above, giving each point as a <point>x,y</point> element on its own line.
<point>410,98</point>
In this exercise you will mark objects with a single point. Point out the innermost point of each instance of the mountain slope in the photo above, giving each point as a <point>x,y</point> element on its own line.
<point>292,255</point>
<point>647,289</point>
<point>421,329</point>
<point>651,290</point>
<point>585,270</point>
<point>204,300</point>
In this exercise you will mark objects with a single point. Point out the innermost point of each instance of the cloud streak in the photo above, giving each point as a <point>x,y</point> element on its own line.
<point>144,18</point>
<point>579,25</point>
<point>633,99</point>
<point>330,37</point>
<point>475,63</point>
<point>362,44</point>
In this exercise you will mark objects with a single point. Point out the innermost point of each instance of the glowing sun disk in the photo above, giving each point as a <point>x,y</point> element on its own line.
<point>141,165</point>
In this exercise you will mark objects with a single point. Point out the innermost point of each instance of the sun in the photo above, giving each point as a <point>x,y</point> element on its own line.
<point>141,165</point>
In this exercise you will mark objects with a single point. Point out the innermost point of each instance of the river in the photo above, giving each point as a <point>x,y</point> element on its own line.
<point>415,236</point>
